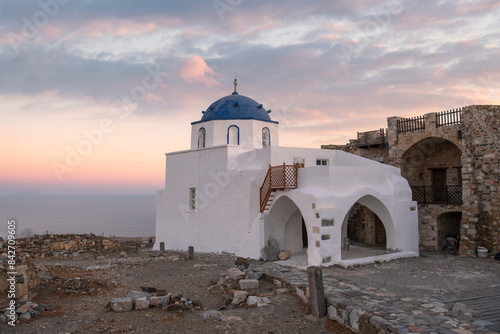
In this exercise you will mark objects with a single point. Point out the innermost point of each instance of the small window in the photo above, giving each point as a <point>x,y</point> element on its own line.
<point>233,135</point>
<point>192,199</point>
<point>321,162</point>
<point>266,137</point>
<point>201,138</point>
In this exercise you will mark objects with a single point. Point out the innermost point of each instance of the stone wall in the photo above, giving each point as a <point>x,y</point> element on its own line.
<point>469,152</point>
<point>429,228</point>
<point>28,279</point>
<point>361,225</point>
<point>72,245</point>
<point>480,175</point>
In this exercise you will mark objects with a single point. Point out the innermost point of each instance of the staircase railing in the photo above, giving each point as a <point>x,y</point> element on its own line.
<point>277,177</point>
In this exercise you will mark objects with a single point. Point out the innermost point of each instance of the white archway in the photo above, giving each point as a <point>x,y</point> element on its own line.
<point>383,214</point>
<point>285,223</point>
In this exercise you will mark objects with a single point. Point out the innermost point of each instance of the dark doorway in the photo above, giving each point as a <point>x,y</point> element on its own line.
<point>304,235</point>
<point>439,184</point>
<point>380,236</point>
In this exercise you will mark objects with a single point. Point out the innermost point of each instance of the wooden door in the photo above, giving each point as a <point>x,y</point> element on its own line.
<point>439,184</point>
<point>304,235</point>
<point>380,237</point>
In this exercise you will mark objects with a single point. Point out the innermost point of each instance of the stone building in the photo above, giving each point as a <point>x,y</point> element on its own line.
<point>451,161</point>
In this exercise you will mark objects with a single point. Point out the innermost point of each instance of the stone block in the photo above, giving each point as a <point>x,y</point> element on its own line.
<point>248,284</point>
<point>142,303</point>
<point>21,290</point>
<point>138,294</point>
<point>166,302</point>
<point>157,301</point>
<point>121,304</point>
<point>235,273</point>
<point>239,297</point>
<point>269,253</point>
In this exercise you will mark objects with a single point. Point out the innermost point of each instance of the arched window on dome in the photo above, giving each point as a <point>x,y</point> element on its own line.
<point>233,135</point>
<point>266,137</point>
<point>201,138</point>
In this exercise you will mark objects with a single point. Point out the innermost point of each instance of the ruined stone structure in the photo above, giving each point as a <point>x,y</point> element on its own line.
<point>451,161</point>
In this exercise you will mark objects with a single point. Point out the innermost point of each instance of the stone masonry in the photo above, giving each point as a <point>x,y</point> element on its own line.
<point>463,147</point>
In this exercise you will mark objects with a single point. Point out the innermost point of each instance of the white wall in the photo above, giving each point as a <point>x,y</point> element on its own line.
<point>250,132</point>
<point>228,218</point>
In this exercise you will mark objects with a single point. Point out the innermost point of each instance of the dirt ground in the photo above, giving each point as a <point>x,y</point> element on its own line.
<point>79,292</point>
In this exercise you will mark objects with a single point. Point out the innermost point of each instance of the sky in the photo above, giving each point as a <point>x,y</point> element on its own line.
<point>94,93</point>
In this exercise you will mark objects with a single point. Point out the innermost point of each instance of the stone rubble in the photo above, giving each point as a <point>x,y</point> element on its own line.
<point>143,300</point>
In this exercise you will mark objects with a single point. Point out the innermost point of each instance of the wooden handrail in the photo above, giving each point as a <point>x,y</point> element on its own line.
<point>277,177</point>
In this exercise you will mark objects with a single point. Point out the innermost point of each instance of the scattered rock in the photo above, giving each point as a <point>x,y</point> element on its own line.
<point>250,274</point>
<point>121,304</point>
<point>211,314</point>
<point>239,297</point>
<point>235,273</point>
<point>25,316</point>
<point>157,301</point>
<point>258,301</point>
<point>285,255</point>
<point>269,253</point>
<point>282,291</point>
<point>240,261</point>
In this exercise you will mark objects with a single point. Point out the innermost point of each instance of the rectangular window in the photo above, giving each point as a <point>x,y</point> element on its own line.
<point>321,162</point>
<point>192,199</point>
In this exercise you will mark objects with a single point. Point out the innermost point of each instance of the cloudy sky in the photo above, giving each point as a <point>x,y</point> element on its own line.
<point>93,93</point>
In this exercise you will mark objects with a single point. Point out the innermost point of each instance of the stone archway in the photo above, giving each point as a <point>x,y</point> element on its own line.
<point>434,162</point>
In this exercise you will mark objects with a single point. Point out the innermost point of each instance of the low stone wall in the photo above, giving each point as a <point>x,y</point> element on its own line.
<point>74,245</point>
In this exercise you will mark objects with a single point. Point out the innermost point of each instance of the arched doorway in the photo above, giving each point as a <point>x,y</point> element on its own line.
<point>365,227</point>
<point>433,169</point>
<point>368,228</point>
<point>285,223</point>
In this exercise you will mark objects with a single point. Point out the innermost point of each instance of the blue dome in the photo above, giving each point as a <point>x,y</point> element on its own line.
<point>235,106</point>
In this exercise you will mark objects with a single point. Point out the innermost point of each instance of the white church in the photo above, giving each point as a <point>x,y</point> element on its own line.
<point>237,188</point>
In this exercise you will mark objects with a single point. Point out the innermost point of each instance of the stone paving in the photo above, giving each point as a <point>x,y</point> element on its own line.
<point>366,309</point>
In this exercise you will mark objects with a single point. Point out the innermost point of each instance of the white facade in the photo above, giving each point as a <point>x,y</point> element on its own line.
<point>211,198</point>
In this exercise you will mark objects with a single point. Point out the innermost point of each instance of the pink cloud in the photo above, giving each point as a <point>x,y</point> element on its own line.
<point>196,70</point>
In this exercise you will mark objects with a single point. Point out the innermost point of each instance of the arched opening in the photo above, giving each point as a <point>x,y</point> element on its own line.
<point>233,135</point>
<point>433,169</point>
<point>448,225</point>
<point>266,137</point>
<point>367,229</point>
<point>201,138</point>
<point>286,225</point>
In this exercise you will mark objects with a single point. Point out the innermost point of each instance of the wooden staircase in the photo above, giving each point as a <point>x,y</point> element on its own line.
<point>277,178</point>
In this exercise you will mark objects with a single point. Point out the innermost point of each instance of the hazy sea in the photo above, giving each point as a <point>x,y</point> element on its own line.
<point>109,215</point>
